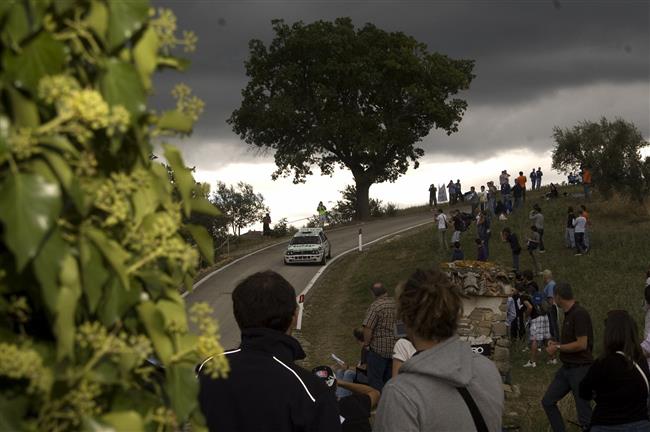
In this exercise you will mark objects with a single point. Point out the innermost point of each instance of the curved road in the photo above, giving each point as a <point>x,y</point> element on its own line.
<point>217,288</point>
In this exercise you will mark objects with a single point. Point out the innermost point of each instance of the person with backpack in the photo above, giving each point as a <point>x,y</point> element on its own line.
<point>445,386</point>
<point>511,238</point>
<point>537,307</point>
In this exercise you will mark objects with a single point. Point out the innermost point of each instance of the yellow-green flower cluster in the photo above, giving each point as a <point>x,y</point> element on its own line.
<point>165,27</point>
<point>208,344</point>
<point>19,310</point>
<point>112,195</point>
<point>67,412</point>
<point>23,363</point>
<point>53,88</point>
<point>86,165</point>
<point>186,102</point>
<point>94,336</point>
<point>165,417</point>
<point>22,143</point>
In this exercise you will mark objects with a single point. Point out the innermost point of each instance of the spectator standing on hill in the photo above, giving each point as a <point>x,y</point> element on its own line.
<point>518,194</point>
<point>530,286</point>
<point>586,182</point>
<point>587,239</point>
<point>553,313</point>
<point>504,177</point>
<point>538,220</point>
<point>379,336</point>
<point>515,314</point>
<point>579,227</point>
<point>515,248</point>
<point>403,351</point>
<point>539,325</point>
<point>569,232</point>
<point>533,179</point>
<point>457,253</point>
<point>575,350</point>
<point>492,197</point>
<point>459,226</point>
<point>618,379</point>
<point>322,214</point>
<point>265,390</point>
<point>483,198</point>
<point>266,225</point>
<point>645,345</point>
<point>452,192</point>
<point>538,176</point>
<point>458,189</point>
<point>532,245</point>
<point>433,199</point>
<point>521,181</point>
<point>354,409</point>
<point>442,223</point>
<point>473,199</point>
<point>439,387</point>
<point>506,195</point>
<point>483,231</point>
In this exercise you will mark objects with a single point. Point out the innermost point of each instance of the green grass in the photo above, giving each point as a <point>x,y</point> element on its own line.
<point>611,276</point>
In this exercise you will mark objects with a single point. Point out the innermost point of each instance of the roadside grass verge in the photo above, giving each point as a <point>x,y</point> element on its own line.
<point>611,276</point>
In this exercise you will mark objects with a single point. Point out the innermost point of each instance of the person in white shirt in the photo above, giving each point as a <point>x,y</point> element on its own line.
<point>403,351</point>
<point>483,198</point>
<point>579,226</point>
<point>441,220</point>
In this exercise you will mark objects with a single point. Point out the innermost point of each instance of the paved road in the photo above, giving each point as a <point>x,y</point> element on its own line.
<point>217,289</point>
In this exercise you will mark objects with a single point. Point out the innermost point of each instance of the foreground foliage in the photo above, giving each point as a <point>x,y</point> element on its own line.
<point>92,243</point>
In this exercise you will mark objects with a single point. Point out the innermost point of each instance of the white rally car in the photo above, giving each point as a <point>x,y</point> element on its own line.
<point>308,245</point>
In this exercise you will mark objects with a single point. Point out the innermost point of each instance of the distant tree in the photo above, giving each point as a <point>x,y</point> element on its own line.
<point>283,229</point>
<point>327,94</point>
<point>611,150</point>
<point>241,205</point>
<point>345,209</point>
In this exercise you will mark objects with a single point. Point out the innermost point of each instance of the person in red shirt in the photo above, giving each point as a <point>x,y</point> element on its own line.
<point>521,181</point>
<point>586,181</point>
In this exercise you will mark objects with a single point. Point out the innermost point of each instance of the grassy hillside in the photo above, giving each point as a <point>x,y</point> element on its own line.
<point>611,276</point>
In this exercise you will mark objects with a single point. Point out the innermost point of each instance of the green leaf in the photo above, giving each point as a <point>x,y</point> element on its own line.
<point>25,111</point>
<point>176,121</point>
<point>125,19</point>
<point>97,18</point>
<point>154,323</point>
<point>12,411</point>
<point>145,55</point>
<point>203,240</point>
<point>4,149</point>
<point>29,206</point>
<point>59,143</point>
<point>145,202</point>
<point>203,206</point>
<point>124,420</point>
<point>61,168</point>
<point>93,273</point>
<point>42,56</point>
<point>112,252</point>
<point>182,176</point>
<point>62,6</point>
<point>120,85</point>
<point>64,324</point>
<point>182,388</point>
<point>116,301</point>
<point>17,25</point>
<point>173,312</point>
<point>47,266</point>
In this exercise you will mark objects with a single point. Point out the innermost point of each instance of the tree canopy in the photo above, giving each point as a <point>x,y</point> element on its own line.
<point>611,150</point>
<point>328,94</point>
<point>241,205</point>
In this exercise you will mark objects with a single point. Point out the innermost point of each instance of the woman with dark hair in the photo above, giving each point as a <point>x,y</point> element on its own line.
<point>618,380</point>
<point>444,386</point>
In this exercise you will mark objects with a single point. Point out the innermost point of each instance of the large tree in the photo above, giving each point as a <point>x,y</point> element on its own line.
<point>611,150</point>
<point>241,205</point>
<point>327,94</point>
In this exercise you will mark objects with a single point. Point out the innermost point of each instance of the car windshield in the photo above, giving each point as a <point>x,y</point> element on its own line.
<point>305,240</point>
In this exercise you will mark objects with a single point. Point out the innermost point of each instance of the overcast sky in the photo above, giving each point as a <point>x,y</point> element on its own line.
<point>539,64</point>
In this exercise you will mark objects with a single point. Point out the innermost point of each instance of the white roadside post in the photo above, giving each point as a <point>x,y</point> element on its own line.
<point>301,307</point>
<point>360,240</point>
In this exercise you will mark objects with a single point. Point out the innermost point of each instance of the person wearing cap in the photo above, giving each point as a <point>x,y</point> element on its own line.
<point>355,409</point>
<point>265,391</point>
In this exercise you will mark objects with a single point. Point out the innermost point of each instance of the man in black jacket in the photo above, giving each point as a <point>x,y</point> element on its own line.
<point>265,390</point>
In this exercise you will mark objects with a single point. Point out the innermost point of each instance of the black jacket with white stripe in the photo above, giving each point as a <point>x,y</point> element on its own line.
<point>266,391</point>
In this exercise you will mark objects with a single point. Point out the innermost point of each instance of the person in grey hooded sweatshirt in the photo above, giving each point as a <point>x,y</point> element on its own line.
<point>444,386</point>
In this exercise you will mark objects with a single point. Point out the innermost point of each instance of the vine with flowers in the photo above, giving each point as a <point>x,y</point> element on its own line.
<point>93,234</point>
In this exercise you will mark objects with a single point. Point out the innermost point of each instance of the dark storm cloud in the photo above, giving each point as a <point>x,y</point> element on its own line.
<point>524,52</point>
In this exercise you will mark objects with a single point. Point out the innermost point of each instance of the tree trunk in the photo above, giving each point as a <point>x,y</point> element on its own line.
<point>363,199</point>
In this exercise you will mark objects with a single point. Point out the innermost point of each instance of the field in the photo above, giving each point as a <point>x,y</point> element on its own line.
<point>611,276</point>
